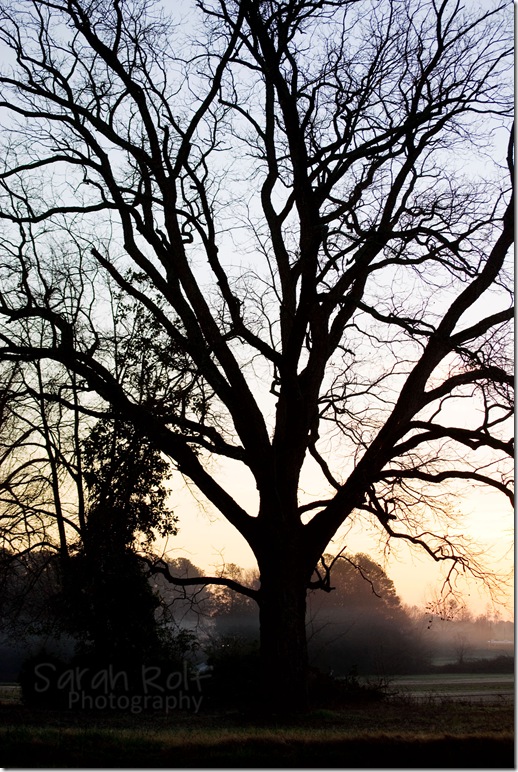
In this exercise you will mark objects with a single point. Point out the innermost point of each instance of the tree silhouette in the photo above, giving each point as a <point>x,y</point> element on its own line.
<point>78,497</point>
<point>106,599</point>
<point>361,623</point>
<point>292,192</point>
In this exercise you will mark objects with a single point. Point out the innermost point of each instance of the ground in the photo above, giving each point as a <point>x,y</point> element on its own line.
<point>403,731</point>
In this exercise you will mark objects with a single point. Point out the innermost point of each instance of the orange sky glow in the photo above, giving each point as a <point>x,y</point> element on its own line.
<point>209,541</point>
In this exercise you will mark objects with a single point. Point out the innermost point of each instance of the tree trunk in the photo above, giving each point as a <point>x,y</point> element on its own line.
<point>284,658</point>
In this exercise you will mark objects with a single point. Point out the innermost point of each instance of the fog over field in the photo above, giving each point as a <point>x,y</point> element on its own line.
<point>360,628</point>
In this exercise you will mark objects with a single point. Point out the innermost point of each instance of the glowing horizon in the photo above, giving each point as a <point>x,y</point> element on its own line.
<point>209,541</point>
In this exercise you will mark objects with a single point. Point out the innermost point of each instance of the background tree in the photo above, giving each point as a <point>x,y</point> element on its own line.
<point>184,607</point>
<point>41,513</point>
<point>297,182</point>
<point>361,625</point>
<point>79,498</point>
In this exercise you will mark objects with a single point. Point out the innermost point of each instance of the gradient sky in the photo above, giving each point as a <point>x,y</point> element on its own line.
<point>484,515</point>
<point>209,541</point>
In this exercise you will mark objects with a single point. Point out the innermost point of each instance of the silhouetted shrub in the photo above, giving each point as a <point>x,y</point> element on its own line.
<point>328,690</point>
<point>235,678</point>
<point>89,681</point>
<point>501,664</point>
<point>38,689</point>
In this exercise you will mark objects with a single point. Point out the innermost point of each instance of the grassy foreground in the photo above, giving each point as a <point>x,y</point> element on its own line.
<point>400,734</point>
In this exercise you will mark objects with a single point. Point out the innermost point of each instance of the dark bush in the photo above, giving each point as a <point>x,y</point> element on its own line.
<point>39,681</point>
<point>501,664</point>
<point>235,678</point>
<point>329,691</point>
<point>89,680</point>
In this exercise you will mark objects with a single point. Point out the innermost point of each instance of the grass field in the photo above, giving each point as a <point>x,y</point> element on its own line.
<point>478,687</point>
<point>400,733</point>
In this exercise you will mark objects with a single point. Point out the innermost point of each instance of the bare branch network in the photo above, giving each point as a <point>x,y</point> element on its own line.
<point>311,204</point>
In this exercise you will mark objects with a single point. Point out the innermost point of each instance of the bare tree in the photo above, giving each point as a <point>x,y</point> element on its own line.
<point>316,197</point>
<point>40,508</point>
<point>79,487</point>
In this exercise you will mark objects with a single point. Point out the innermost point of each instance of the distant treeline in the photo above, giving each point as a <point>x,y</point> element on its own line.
<point>358,628</point>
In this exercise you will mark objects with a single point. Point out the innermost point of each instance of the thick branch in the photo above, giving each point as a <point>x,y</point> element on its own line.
<point>160,567</point>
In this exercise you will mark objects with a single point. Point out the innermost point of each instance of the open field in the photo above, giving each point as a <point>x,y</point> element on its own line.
<point>401,732</point>
<point>477,687</point>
